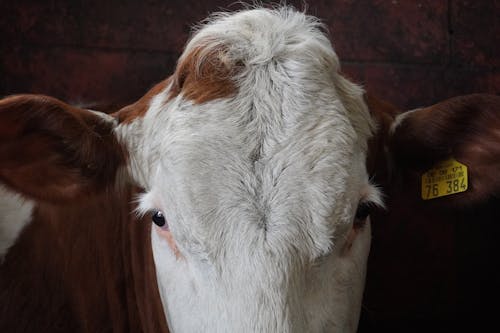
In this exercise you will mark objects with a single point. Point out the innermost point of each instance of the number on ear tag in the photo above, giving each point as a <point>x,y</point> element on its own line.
<point>447,177</point>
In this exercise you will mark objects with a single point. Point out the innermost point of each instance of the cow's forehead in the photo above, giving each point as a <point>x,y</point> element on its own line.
<point>257,134</point>
<point>289,177</point>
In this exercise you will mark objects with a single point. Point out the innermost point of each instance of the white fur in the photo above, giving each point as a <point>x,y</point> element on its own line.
<point>399,120</point>
<point>259,189</point>
<point>15,214</point>
<point>106,117</point>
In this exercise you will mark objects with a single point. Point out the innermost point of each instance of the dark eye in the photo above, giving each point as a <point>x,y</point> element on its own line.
<point>158,218</point>
<point>363,211</point>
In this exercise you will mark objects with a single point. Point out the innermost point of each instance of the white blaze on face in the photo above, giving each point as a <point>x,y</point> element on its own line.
<point>15,214</point>
<point>259,188</point>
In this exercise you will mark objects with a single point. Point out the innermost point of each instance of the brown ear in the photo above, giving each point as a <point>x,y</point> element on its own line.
<point>50,150</point>
<point>466,128</point>
<point>384,114</point>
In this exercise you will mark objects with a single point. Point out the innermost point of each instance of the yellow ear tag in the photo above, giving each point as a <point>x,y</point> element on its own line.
<point>447,177</point>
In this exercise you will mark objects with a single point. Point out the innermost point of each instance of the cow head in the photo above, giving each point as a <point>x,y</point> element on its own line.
<point>253,152</point>
<point>252,161</point>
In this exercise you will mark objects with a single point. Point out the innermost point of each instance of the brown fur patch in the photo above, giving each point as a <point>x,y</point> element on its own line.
<point>85,266</point>
<point>138,109</point>
<point>204,75</point>
<point>201,76</point>
<point>52,151</point>
<point>384,114</point>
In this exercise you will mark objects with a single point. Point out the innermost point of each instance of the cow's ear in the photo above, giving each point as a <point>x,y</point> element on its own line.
<point>383,114</point>
<point>52,151</point>
<point>465,128</point>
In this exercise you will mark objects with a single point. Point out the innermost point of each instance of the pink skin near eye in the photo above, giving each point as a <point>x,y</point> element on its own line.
<point>163,230</point>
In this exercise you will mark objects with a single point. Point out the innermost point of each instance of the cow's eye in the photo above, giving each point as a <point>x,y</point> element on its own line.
<point>159,219</point>
<point>362,212</point>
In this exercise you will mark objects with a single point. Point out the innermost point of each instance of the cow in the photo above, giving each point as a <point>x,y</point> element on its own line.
<point>256,164</point>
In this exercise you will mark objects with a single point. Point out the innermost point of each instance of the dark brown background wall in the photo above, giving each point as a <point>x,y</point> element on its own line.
<point>412,53</point>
